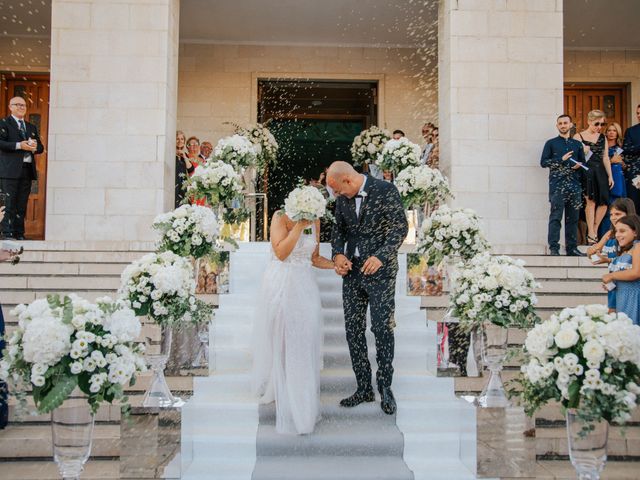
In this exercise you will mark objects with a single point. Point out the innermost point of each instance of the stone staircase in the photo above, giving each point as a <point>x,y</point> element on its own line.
<point>25,451</point>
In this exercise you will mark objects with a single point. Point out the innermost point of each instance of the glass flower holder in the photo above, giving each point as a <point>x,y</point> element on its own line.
<point>493,345</point>
<point>587,446</point>
<point>159,394</point>
<point>201,360</point>
<point>72,433</point>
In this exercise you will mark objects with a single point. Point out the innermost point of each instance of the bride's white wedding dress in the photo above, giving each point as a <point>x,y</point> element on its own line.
<point>287,339</point>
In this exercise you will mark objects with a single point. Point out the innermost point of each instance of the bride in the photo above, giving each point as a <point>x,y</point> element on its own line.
<point>287,327</point>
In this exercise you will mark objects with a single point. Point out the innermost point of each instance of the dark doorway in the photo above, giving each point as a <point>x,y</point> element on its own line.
<point>314,123</point>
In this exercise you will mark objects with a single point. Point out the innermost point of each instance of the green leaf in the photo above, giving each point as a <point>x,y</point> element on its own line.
<point>67,311</point>
<point>58,394</point>
<point>574,394</point>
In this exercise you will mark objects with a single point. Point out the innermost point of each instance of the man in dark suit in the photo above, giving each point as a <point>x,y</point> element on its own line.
<point>19,143</point>
<point>370,227</point>
<point>631,152</point>
<point>564,157</point>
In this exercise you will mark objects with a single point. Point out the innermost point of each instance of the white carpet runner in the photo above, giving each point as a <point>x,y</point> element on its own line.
<point>226,435</point>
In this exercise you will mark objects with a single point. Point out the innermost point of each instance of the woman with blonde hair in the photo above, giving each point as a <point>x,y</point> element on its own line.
<point>599,179</point>
<point>183,167</point>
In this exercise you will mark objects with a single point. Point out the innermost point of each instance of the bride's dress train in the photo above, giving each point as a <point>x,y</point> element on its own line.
<point>287,340</point>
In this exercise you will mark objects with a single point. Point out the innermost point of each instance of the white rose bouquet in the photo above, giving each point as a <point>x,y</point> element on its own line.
<point>264,143</point>
<point>235,150</point>
<point>64,343</point>
<point>494,288</point>
<point>451,235</point>
<point>398,155</point>
<point>366,146</point>
<point>188,231</point>
<point>420,184</point>
<point>217,182</point>
<point>584,358</point>
<point>161,285</point>
<point>305,203</point>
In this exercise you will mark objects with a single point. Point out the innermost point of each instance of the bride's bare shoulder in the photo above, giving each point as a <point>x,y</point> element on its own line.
<point>280,217</point>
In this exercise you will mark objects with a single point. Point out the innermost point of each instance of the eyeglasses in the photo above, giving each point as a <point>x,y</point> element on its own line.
<point>193,145</point>
<point>20,105</point>
<point>599,124</point>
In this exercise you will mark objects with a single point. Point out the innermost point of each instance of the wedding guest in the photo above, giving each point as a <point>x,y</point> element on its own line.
<point>598,178</point>
<point>193,151</point>
<point>206,149</point>
<point>613,135</point>
<point>631,152</point>
<point>433,160</point>
<point>4,405</point>
<point>427,134</point>
<point>625,268</point>
<point>564,157</point>
<point>19,144</point>
<point>183,167</point>
<point>398,134</point>
<point>607,248</point>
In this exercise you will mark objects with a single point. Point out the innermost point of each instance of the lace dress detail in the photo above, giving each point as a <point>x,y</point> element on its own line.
<point>287,339</point>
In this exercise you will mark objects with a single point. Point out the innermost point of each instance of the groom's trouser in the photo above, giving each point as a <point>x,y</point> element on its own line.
<point>358,291</point>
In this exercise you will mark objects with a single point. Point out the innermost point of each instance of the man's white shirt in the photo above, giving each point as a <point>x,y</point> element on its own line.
<point>27,156</point>
<point>362,193</point>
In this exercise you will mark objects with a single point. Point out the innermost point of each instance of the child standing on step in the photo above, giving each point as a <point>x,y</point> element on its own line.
<point>625,268</point>
<point>606,249</point>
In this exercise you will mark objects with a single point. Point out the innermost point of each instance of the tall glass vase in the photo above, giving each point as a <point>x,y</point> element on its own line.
<point>493,345</point>
<point>72,433</point>
<point>587,447</point>
<point>158,394</point>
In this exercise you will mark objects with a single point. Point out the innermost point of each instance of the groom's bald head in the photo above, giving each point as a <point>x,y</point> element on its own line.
<point>343,179</point>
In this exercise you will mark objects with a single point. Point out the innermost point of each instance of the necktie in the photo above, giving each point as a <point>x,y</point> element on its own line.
<point>23,129</point>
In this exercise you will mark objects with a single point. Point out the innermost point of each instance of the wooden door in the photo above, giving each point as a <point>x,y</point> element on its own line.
<point>579,100</point>
<point>35,90</point>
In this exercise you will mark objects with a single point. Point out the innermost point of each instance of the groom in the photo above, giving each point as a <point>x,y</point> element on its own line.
<point>370,227</point>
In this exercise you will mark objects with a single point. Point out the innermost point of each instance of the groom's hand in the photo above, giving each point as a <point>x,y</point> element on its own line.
<point>342,265</point>
<point>371,266</point>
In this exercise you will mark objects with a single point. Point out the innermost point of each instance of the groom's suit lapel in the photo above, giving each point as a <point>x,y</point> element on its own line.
<point>366,199</point>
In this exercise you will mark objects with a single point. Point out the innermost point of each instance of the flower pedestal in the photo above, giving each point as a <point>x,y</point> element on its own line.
<point>151,445</point>
<point>72,433</point>
<point>493,344</point>
<point>587,447</point>
<point>158,351</point>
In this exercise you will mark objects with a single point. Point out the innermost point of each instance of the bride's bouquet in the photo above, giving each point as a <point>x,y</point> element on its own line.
<point>217,182</point>
<point>161,285</point>
<point>398,155</point>
<point>64,343</point>
<point>188,231</point>
<point>264,143</point>
<point>494,288</point>
<point>235,150</point>
<point>305,203</point>
<point>366,146</point>
<point>451,235</point>
<point>587,359</point>
<point>421,184</point>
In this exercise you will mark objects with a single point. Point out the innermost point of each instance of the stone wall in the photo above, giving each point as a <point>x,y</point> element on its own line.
<point>216,83</point>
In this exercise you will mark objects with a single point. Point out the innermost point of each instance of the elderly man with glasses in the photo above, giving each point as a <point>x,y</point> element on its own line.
<point>19,143</point>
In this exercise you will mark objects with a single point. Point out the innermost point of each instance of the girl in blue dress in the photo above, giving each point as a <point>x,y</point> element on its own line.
<point>606,249</point>
<point>625,268</point>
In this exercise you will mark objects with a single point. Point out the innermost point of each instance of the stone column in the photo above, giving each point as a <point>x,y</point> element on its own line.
<point>113,119</point>
<point>500,90</point>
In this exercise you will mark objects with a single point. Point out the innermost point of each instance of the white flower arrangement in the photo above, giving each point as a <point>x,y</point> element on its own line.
<point>305,203</point>
<point>636,181</point>
<point>235,150</point>
<point>161,286</point>
<point>216,182</point>
<point>64,343</point>
<point>398,155</point>
<point>264,143</point>
<point>421,184</point>
<point>366,146</point>
<point>493,288</point>
<point>587,359</point>
<point>189,230</point>
<point>450,235</point>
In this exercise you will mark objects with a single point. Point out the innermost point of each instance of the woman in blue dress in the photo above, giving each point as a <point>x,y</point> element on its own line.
<point>626,268</point>
<point>606,249</point>
<point>613,135</point>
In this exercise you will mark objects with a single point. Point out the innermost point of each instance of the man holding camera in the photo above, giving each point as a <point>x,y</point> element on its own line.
<point>19,143</point>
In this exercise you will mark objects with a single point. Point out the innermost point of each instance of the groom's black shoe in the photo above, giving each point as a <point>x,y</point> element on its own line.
<point>358,398</point>
<point>388,402</point>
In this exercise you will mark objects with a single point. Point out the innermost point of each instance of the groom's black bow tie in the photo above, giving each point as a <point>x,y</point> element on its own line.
<point>359,196</point>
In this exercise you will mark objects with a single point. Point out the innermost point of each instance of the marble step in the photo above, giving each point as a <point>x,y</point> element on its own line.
<point>55,282</point>
<point>48,470</point>
<point>56,268</point>
<point>556,301</point>
<point>79,256</point>
<point>332,467</point>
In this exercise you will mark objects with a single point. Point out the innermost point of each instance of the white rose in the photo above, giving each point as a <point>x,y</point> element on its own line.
<point>566,338</point>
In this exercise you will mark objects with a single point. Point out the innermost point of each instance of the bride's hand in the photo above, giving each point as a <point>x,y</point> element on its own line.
<point>302,224</point>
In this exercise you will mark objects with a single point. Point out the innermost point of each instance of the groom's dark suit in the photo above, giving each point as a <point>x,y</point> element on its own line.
<point>379,231</point>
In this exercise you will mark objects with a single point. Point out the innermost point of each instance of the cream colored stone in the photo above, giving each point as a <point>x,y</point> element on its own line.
<point>506,127</point>
<point>77,201</point>
<point>109,16</point>
<point>469,179</point>
<point>71,15</point>
<point>470,23</point>
<point>506,24</point>
<point>486,49</point>
<point>534,49</point>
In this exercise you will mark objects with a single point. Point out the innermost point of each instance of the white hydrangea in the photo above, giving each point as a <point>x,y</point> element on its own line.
<point>46,340</point>
<point>421,184</point>
<point>368,144</point>
<point>398,155</point>
<point>305,203</point>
